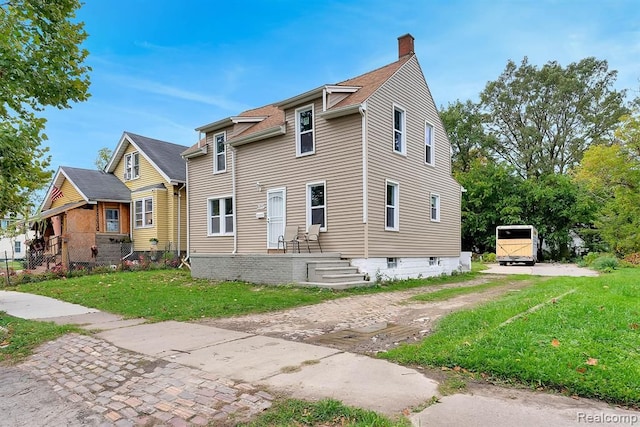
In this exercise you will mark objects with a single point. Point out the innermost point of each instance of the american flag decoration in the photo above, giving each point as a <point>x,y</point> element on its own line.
<point>56,193</point>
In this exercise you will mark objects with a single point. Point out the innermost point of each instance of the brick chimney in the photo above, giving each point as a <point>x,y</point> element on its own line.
<point>405,45</point>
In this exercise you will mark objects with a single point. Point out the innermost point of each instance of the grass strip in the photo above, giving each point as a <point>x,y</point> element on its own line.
<point>449,293</point>
<point>325,413</point>
<point>586,344</point>
<point>19,337</point>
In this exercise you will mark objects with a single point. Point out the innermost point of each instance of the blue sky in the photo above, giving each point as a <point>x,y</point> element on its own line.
<point>162,68</point>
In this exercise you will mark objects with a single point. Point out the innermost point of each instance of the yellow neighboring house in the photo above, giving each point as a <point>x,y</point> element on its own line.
<point>155,173</point>
<point>139,196</point>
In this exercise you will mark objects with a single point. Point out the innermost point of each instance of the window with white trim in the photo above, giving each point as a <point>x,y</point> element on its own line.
<point>392,214</point>
<point>435,207</point>
<point>143,212</point>
<point>220,212</point>
<point>131,166</point>
<point>317,204</point>
<point>220,154</point>
<point>305,139</point>
<point>112,219</point>
<point>17,246</point>
<point>399,130</point>
<point>428,145</point>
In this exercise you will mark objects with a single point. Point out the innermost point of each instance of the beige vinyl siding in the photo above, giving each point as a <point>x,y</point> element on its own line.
<point>204,184</point>
<point>417,235</point>
<point>142,235</point>
<point>337,161</point>
<point>273,163</point>
<point>69,195</point>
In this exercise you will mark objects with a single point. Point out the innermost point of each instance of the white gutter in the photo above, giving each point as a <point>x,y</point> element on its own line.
<point>234,203</point>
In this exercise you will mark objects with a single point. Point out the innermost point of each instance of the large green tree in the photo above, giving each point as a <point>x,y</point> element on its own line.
<point>612,175</point>
<point>464,124</point>
<point>541,120</point>
<point>41,65</point>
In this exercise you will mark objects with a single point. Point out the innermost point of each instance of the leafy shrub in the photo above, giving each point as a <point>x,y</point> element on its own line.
<point>605,263</point>
<point>488,257</point>
<point>589,258</point>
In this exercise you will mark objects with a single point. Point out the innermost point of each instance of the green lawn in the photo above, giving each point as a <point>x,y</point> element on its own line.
<point>18,337</point>
<point>577,335</point>
<point>173,295</point>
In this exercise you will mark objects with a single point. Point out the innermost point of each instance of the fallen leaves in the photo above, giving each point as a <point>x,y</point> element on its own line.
<point>591,361</point>
<point>555,342</point>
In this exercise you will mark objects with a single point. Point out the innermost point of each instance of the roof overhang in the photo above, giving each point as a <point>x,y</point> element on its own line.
<point>220,124</point>
<point>342,111</point>
<point>60,209</point>
<point>263,134</point>
<point>302,98</point>
<point>195,152</point>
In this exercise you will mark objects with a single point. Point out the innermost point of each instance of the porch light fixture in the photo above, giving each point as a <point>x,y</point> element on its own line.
<point>259,187</point>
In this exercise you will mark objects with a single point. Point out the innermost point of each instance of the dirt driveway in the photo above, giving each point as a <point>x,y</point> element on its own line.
<point>365,324</point>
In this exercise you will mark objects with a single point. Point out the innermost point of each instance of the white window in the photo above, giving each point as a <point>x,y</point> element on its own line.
<point>428,144</point>
<point>220,155</point>
<point>433,260</point>
<point>435,207</point>
<point>399,130</point>
<point>317,204</point>
<point>392,262</point>
<point>305,139</point>
<point>392,206</point>
<point>220,216</point>
<point>17,246</point>
<point>143,212</point>
<point>131,166</point>
<point>112,220</point>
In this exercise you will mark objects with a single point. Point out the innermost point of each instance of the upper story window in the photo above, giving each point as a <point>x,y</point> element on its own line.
<point>428,144</point>
<point>399,130</point>
<point>305,139</point>
<point>17,246</point>
<point>435,207</point>
<point>392,211</point>
<point>317,205</point>
<point>220,155</point>
<point>143,212</point>
<point>131,166</point>
<point>220,216</point>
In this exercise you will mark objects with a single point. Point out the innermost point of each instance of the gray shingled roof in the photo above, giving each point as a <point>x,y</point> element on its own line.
<point>166,155</point>
<point>97,185</point>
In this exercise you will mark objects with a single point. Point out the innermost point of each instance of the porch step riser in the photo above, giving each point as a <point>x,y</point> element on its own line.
<point>337,278</point>
<point>317,274</point>
<point>337,286</point>
<point>335,274</point>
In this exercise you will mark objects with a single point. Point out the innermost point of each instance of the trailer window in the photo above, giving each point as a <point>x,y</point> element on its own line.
<point>515,233</point>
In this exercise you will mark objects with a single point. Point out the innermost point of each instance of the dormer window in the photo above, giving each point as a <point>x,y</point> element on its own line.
<point>305,139</point>
<point>131,166</point>
<point>220,157</point>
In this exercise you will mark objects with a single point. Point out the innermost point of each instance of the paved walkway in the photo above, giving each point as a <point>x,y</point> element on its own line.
<point>182,374</point>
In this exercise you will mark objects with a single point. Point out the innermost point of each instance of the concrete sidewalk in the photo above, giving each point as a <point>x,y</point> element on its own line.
<point>252,362</point>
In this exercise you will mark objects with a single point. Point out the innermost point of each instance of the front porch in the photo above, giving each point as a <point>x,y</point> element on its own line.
<point>327,270</point>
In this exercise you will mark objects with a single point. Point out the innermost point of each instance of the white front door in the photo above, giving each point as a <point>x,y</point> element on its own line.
<point>276,199</point>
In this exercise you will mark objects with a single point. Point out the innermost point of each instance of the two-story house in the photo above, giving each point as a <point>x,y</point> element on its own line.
<point>367,159</point>
<point>139,196</point>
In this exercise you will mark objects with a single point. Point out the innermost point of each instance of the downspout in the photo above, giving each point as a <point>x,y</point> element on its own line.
<point>179,217</point>
<point>234,203</point>
<point>365,179</point>
<point>187,197</point>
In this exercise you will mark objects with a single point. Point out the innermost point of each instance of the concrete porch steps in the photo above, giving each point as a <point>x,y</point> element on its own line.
<point>337,286</point>
<point>335,274</point>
